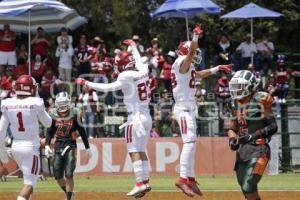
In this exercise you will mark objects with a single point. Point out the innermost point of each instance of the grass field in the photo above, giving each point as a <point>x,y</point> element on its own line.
<point>289,182</point>
<point>281,187</point>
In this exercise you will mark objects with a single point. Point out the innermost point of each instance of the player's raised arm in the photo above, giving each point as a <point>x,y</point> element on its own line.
<point>185,66</point>
<point>207,72</point>
<point>102,87</point>
<point>270,127</point>
<point>136,54</point>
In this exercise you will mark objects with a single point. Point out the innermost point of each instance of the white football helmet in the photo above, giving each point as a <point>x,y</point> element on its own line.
<point>242,84</point>
<point>63,102</point>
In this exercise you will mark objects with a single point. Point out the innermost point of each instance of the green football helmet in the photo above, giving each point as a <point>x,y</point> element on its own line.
<point>242,84</point>
<point>63,102</point>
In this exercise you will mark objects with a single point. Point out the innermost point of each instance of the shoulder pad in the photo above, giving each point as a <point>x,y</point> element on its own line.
<point>125,76</point>
<point>75,111</point>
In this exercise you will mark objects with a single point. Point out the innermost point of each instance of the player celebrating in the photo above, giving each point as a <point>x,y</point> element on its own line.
<point>64,127</point>
<point>250,131</point>
<point>23,114</point>
<point>183,76</point>
<point>133,81</point>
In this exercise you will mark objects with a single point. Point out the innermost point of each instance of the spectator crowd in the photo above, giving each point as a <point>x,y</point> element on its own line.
<point>55,62</point>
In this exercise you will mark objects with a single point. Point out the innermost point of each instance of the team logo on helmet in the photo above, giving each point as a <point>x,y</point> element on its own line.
<point>63,102</point>
<point>242,84</point>
<point>25,85</point>
<point>124,60</point>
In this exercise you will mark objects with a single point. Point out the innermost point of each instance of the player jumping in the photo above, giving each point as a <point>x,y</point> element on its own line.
<point>64,127</point>
<point>250,131</point>
<point>23,114</point>
<point>133,81</point>
<point>183,76</point>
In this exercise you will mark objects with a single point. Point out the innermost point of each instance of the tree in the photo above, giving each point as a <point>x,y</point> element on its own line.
<point>114,20</point>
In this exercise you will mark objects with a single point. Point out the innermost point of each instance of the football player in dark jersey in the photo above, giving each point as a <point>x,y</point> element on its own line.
<point>63,129</point>
<point>250,131</point>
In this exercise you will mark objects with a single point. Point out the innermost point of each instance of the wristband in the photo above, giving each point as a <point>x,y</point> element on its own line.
<point>195,38</point>
<point>214,70</point>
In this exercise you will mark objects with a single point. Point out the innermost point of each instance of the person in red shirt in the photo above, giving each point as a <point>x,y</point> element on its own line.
<point>165,73</point>
<point>7,82</point>
<point>22,68</point>
<point>101,69</point>
<point>38,68</point>
<point>99,50</point>
<point>47,81</point>
<point>7,47</point>
<point>40,43</point>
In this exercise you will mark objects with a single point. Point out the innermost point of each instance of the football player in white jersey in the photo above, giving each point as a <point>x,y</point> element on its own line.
<point>133,81</point>
<point>23,114</point>
<point>183,77</point>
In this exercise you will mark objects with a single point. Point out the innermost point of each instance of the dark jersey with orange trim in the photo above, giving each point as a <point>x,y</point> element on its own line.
<point>64,130</point>
<point>248,119</point>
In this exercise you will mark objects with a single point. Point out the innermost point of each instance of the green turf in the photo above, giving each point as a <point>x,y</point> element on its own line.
<point>159,183</point>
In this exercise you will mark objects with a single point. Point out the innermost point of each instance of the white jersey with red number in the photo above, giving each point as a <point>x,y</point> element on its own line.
<point>135,87</point>
<point>23,116</point>
<point>183,84</point>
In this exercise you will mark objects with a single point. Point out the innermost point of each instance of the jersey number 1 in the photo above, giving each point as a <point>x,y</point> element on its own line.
<point>20,121</point>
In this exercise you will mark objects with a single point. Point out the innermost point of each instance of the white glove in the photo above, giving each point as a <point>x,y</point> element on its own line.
<point>48,151</point>
<point>89,153</point>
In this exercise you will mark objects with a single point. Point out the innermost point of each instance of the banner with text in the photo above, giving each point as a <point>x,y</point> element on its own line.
<point>213,156</point>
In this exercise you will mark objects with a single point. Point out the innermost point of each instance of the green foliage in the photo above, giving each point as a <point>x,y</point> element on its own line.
<point>115,20</point>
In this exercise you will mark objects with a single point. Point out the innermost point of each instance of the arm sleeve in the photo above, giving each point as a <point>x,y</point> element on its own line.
<point>4,123</point>
<point>136,54</point>
<point>102,87</point>
<point>269,130</point>
<point>42,115</point>
<point>82,134</point>
<point>50,133</point>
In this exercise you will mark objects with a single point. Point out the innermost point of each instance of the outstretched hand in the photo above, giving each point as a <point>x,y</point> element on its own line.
<point>198,29</point>
<point>80,81</point>
<point>225,68</point>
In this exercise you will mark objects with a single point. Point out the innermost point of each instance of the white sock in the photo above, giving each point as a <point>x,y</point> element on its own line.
<point>146,170</point>
<point>191,171</point>
<point>188,151</point>
<point>138,170</point>
<point>20,198</point>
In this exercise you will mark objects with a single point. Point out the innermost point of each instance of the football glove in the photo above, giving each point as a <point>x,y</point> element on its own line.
<point>48,151</point>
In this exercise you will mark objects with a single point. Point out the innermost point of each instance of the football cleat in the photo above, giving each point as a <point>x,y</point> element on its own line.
<point>137,190</point>
<point>193,185</point>
<point>183,186</point>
